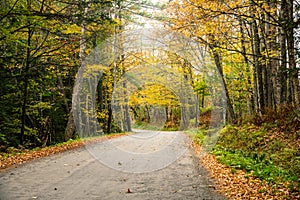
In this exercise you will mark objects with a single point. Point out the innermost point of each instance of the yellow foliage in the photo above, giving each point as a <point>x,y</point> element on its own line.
<point>154,94</point>
<point>71,29</point>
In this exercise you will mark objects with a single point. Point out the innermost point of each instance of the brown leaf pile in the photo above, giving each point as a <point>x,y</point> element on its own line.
<point>7,160</point>
<point>239,185</point>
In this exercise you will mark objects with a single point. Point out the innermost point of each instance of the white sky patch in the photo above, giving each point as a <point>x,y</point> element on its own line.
<point>147,22</point>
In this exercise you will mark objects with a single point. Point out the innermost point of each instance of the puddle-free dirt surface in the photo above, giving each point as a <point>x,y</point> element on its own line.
<point>145,165</point>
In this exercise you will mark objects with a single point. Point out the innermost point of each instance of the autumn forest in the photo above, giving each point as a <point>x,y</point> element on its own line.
<point>252,46</point>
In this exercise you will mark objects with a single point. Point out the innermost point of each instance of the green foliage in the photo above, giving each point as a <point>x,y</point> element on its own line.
<point>200,86</point>
<point>266,153</point>
<point>197,135</point>
<point>39,61</point>
<point>152,96</point>
<point>205,110</point>
<point>257,165</point>
<point>145,126</point>
<point>170,128</point>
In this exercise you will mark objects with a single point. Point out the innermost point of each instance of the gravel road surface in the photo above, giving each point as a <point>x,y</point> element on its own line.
<point>147,165</point>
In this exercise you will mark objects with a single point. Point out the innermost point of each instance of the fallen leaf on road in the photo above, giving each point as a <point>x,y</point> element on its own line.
<point>129,191</point>
<point>212,186</point>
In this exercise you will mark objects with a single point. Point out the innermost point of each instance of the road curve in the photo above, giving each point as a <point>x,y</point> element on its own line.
<point>146,165</point>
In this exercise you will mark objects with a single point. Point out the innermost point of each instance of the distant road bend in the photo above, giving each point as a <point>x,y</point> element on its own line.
<point>147,165</point>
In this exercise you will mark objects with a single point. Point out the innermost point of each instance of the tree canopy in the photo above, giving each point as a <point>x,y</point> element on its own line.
<point>253,47</point>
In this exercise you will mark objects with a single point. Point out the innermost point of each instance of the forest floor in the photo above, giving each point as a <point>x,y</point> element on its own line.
<point>237,184</point>
<point>256,158</point>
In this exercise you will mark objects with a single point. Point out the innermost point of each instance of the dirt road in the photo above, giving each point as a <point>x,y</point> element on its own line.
<point>146,165</point>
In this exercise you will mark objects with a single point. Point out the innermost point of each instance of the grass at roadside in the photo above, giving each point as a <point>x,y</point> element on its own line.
<point>18,156</point>
<point>197,135</point>
<point>269,156</point>
<point>266,153</point>
<point>145,126</point>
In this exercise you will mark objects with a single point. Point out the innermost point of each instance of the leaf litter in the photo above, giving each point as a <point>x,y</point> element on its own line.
<point>13,159</point>
<point>238,185</point>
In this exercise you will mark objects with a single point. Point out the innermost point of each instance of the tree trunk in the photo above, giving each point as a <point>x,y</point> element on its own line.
<point>282,72</point>
<point>258,67</point>
<point>69,132</point>
<point>250,99</point>
<point>147,110</point>
<point>26,82</point>
<point>70,129</point>
<point>291,55</point>
<point>109,121</point>
<point>272,60</point>
<point>217,60</point>
<point>202,98</point>
<point>127,120</point>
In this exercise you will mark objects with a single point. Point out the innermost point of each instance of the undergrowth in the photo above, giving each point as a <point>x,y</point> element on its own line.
<point>266,146</point>
<point>149,126</point>
<point>145,126</point>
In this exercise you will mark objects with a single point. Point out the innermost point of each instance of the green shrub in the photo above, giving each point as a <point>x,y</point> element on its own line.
<point>267,153</point>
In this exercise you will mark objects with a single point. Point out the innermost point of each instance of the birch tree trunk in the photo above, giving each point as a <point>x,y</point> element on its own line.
<point>70,129</point>
<point>291,54</point>
<point>258,67</point>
